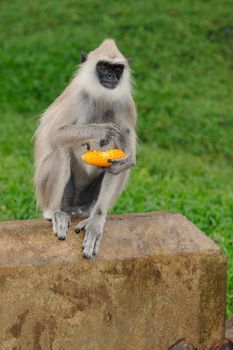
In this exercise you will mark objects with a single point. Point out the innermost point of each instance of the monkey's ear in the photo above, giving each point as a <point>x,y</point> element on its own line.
<point>130,61</point>
<point>83,57</point>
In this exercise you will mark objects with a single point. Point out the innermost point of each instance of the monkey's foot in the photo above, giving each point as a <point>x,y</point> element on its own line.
<point>120,165</point>
<point>61,223</point>
<point>93,227</point>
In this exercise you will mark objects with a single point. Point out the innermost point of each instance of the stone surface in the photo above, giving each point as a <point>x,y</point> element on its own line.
<point>229,328</point>
<point>156,280</point>
<point>182,344</point>
<point>224,344</point>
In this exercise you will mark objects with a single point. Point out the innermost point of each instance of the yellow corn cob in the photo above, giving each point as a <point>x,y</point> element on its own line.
<point>100,158</point>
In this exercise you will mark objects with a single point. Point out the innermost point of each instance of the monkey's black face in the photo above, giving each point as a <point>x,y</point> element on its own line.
<point>109,74</point>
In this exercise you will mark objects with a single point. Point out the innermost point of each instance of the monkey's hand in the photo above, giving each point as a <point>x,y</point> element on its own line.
<point>120,165</point>
<point>61,223</point>
<point>107,131</point>
<point>93,227</point>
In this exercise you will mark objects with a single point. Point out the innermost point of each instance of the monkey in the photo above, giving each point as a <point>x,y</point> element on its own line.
<point>95,111</point>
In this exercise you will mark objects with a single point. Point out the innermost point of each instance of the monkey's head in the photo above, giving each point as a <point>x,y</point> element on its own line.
<point>105,70</point>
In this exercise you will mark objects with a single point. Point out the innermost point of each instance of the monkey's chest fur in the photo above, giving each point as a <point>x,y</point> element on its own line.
<point>99,110</point>
<point>85,181</point>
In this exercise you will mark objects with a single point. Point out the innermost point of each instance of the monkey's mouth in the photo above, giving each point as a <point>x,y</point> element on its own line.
<point>109,84</point>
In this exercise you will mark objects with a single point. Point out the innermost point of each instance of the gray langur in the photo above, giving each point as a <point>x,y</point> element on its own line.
<point>97,111</point>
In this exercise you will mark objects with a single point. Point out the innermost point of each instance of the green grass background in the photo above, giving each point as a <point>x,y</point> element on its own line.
<point>182,53</point>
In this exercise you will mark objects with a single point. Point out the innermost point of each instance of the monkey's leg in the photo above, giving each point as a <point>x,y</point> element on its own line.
<point>113,183</point>
<point>50,186</point>
<point>111,187</point>
<point>83,198</point>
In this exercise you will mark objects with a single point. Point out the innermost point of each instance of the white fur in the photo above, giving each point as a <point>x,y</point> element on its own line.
<point>87,79</point>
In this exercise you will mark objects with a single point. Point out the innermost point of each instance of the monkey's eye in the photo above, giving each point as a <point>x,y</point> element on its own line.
<point>103,67</point>
<point>118,69</point>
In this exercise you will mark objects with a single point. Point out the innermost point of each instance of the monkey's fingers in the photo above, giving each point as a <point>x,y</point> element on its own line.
<point>114,127</point>
<point>112,130</point>
<point>81,225</point>
<point>90,241</point>
<point>120,165</point>
<point>87,145</point>
<point>104,142</point>
<point>96,247</point>
<point>110,161</point>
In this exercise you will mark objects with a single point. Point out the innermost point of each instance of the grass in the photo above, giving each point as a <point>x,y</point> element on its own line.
<point>182,69</point>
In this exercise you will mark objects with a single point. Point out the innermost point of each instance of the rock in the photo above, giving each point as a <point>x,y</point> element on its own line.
<point>157,279</point>
<point>182,344</point>
<point>224,344</point>
<point>229,328</point>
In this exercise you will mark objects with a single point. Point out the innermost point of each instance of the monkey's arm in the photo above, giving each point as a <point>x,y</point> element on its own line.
<point>128,144</point>
<point>69,135</point>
